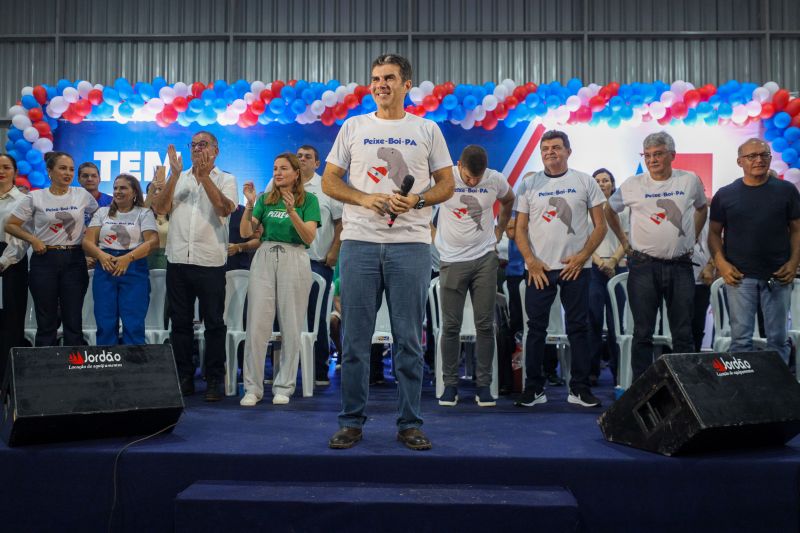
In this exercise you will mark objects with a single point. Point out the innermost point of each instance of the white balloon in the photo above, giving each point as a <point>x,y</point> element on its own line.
<point>793,176</point>
<point>167,94</point>
<point>573,103</point>
<point>426,87</point>
<point>469,121</point>
<point>30,133</point>
<point>181,89</point>
<point>739,114</point>
<point>231,114</point>
<point>678,87</point>
<point>416,94</point>
<point>329,98</point>
<point>772,87</point>
<point>340,93</point>
<point>636,119</point>
<point>351,86</point>
<point>562,114</point>
<point>317,107</point>
<point>15,110</point>
<point>509,84</point>
<point>761,94</point>
<point>27,90</point>
<point>668,98</point>
<point>21,122</point>
<point>594,88</point>
<point>584,93</point>
<point>59,104</point>
<point>500,92</point>
<point>98,86</point>
<point>257,86</point>
<point>43,144</point>
<point>70,95</point>
<point>489,102</point>
<point>657,110</point>
<point>779,165</point>
<point>83,88</point>
<point>239,106</point>
<point>479,112</point>
<point>51,112</point>
<point>155,105</point>
<point>249,98</point>
<point>753,108</point>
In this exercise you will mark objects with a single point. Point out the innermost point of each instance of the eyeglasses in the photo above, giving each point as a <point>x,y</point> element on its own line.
<point>654,155</point>
<point>199,144</point>
<point>766,156</point>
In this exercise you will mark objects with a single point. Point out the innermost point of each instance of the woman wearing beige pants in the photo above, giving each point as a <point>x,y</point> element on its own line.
<point>280,276</point>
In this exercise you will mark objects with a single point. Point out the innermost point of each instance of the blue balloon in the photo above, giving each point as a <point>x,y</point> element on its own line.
<point>136,101</point>
<point>789,155</point>
<point>263,118</point>
<point>780,144</point>
<point>791,134</point>
<point>725,110</point>
<point>637,100</point>
<point>14,134</point>
<point>229,95</point>
<point>470,102</point>
<point>703,109</point>
<point>691,117</point>
<point>33,156</point>
<point>16,155</point>
<point>715,100</point>
<point>241,87</point>
<point>52,92</point>
<point>22,146</point>
<point>125,110</point>
<point>771,134</point>
<point>782,119</point>
<point>191,113</point>
<point>479,92</point>
<point>183,120</point>
<point>104,110</point>
<point>208,95</point>
<point>158,83</point>
<point>489,87</point>
<point>616,103</point>
<point>301,86</point>
<point>298,106</point>
<point>277,105</point>
<point>574,85</point>
<point>220,105</point>
<point>288,93</point>
<point>308,96</point>
<point>625,113</point>
<point>553,101</point>
<point>532,100</point>
<point>29,102</point>
<point>145,90</point>
<point>458,113</point>
<point>110,96</point>
<point>368,103</point>
<point>461,91</point>
<point>210,114</point>
<point>332,85</point>
<point>796,146</point>
<point>649,92</point>
<point>63,84</point>
<point>24,168</point>
<point>540,109</point>
<point>220,86</point>
<point>449,102</point>
<point>37,178</point>
<point>124,88</point>
<point>9,145</point>
<point>196,105</point>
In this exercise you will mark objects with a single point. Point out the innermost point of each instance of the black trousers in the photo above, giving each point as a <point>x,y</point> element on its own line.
<point>185,283</point>
<point>58,281</point>
<point>12,315</point>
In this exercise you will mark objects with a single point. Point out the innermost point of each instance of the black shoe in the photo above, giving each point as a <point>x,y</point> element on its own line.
<point>213,391</point>
<point>187,386</point>
<point>345,438</point>
<point>414,439</point>
<point>583,397</point>
<point>555,381</point>
<point>530,398</point>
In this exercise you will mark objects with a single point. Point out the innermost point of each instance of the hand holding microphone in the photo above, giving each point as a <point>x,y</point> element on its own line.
<point>405,188</point>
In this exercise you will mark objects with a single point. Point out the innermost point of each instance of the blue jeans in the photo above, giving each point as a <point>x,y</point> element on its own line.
<point>123,298</point>
<point>58,280</point>
<point>742,305</point>
<point>650,283</point>
<point>575,299</point>
<point>368,269</point>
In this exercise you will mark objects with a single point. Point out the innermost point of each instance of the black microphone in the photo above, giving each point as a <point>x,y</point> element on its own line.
<point>408,182</point>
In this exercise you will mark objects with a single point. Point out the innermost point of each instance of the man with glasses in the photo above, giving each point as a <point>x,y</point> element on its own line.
<point>199,201</point>
<point>760,250</point>
<point>668,210</point>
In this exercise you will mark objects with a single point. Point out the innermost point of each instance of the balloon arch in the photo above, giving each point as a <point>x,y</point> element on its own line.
<point>246,104</point>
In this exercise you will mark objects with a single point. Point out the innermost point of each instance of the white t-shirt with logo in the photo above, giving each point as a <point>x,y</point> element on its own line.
<point>558,211</point>
<point>330,210</point>
<point>379,154</point>
<point>662,212</point>
<point>465,230</point>
<point>57,220</point>
<point>125,230</point>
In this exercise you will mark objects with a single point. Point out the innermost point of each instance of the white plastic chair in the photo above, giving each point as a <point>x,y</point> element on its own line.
<point>235,293</point>
<point>794,333</point>
<point>154,332</point>
<point>467,335</point>
<point>556,334</point>
<point>307,339</point>
<point>199,333</point>
<point>30,321</point>
<point>89,323</point>
<point>623,329</point>
<point>383,325</point>
<point>722,325</point>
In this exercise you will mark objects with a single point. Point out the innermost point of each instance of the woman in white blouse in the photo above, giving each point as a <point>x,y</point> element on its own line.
<point>120,237</point>
<point>58,276</point>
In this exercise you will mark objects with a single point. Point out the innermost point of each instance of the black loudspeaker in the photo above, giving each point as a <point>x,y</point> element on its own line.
<point>689,403</point>
<point>81,392</point>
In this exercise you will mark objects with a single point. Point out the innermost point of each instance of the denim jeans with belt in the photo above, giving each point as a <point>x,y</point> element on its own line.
<point>743,300</point>
<point>125,298</point>
<point>368,269</point>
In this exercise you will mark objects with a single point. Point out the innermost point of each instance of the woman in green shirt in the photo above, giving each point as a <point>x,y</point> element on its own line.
<point>280,276</point>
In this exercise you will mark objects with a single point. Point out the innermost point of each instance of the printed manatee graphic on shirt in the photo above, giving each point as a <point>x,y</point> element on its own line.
<point>120,235</point>
<point>561,211</point>
<point>671,213</point>
<point>65,222</point>
<point>396,167</point>
<point>473,210</point>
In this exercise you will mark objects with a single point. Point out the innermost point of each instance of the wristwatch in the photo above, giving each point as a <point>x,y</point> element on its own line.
<point>421,203</point>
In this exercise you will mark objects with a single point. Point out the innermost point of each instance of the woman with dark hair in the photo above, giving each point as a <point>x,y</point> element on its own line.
<point>119,237</point>
<point>280,276</point>
<point>607,261</point>
<point>13,266</point>
<point>58,276</point>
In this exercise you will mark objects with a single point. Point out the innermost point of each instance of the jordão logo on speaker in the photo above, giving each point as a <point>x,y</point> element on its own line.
<point>104,359</point>
<point>733,367</point>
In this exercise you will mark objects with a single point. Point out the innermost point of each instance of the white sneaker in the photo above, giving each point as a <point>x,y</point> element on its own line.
<point>249,400</point>
<point>280,399</point>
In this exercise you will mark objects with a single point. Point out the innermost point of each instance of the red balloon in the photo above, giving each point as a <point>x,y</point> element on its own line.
<point>450,86</point>
<point>170,114</point>
<point>197,89</point>
<point>430,103</point>
<point>793,107</point>
<point>520,93</point>
<point>667,118</point>
<point>95,96</point>
<point>292,83</point>
<point>22,181</point>
<point>74,118</point>
<point>478,123</point>
<point>258,107</point>
<point>82,107</point>
<point>767,110</point>
<point>531,87</point>
<point>35,114</point>
<point>351,101</point>
<point>439,92</point>
<point>613,87</point>
<point>180,104</point>
<point>511,102</point>
<point>276,88</point>
<point>361,91</point>
<point>500,111</point>
<point>780,99</point>
<point>691,98</point>
<point>419,110</point>
<point>249,118</point>
<point>489,122</point>
<point>40,93</point>
<point>795,121</point>
<point>327,117</point>
<point>604,93</point>
<point>340,111</point>
<point>266,96</point>
<point>42,127</point>
<point>679,110</point>
<point>161,121</point>
<point>597,103</point>
<point>583,114</point>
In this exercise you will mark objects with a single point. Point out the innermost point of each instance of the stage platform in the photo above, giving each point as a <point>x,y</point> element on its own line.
<point>222,458</point>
